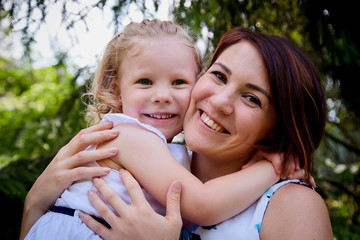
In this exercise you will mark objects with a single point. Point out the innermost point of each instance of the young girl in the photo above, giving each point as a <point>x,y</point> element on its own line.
<point>147,73</point>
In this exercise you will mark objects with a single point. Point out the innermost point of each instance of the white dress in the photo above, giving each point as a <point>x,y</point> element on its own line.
<point>54,225</point>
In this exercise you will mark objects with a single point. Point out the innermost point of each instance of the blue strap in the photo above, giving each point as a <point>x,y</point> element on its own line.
<point>70,212</point>
<point>63,210</point>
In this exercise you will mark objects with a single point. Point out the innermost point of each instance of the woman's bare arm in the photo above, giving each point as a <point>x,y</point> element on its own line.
<point>64,169</point>
<point>298,213</point>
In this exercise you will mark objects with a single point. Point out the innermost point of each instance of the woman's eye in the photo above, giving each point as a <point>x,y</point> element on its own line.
<point>220,76</point>
<point>144,81</point>
<point>178,82</point>
<point>253,99</point>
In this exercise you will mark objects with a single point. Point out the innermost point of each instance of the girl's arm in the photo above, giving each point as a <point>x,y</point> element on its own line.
<point>147,157</point>
<point>64,169</point>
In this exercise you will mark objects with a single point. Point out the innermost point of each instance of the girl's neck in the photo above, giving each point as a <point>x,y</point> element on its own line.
<point>206,168</point>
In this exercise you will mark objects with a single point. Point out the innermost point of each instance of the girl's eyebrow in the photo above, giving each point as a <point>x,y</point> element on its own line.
<point>259,89</point>
<point>225,68</point>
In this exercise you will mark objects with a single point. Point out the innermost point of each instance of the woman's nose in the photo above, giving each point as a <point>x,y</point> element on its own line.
<point>161,95</point>
<point>223,102</point>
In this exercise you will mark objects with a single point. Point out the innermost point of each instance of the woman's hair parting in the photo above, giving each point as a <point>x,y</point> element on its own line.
<point>105,93</point>
<point>296,92</point>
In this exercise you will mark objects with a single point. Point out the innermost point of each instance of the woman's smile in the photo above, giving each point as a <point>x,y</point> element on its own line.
<point>211,123</point>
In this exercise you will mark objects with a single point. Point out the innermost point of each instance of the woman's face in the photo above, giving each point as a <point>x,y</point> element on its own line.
<point>231,106</point>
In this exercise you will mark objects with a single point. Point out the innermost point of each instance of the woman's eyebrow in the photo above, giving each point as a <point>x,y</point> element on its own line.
<point>225,68</point>
<point>257,88</point>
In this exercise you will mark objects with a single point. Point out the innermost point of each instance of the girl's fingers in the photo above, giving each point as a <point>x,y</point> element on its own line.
<point>289,171</point>
<point>300,174</point>
<point>252,161</point>
<point>312,181</point>
<point>276,160</point>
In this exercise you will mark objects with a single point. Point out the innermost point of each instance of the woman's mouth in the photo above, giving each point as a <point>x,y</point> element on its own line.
<point>211,123</point>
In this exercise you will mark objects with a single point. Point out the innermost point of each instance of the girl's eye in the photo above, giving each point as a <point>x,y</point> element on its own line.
<point>253,99</point>
<point>144,81</point>
<point>178,82</point>
<point>220,76</point>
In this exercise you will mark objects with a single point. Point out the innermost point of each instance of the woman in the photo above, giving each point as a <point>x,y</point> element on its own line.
<point>265,95</point>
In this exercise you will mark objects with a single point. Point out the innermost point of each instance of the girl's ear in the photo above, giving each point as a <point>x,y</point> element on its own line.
<point>115,89</point>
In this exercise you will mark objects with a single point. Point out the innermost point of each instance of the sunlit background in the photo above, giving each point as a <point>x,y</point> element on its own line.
<point>87,39</point>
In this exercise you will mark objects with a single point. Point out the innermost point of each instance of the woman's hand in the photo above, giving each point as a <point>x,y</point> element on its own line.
<point>65,168</point>
<point>137,220</point>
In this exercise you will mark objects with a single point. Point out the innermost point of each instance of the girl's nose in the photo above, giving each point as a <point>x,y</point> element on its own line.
<point>162,95</point>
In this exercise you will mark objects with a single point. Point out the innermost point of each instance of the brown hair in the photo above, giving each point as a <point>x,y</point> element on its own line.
<point>296,90</point>
<point>104,91</point>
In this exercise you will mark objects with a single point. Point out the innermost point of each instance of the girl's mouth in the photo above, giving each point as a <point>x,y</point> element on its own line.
<point>160,116</point>
<point>211,123</point>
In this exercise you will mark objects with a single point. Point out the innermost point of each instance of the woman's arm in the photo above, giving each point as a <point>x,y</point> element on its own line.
<point>137,220</point>
<point>66,168</point>
<point>296,212</point>
<point>149,160</point>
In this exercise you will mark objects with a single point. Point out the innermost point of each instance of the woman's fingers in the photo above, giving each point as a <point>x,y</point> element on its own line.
<point>70,169</point>
<point>137,220</point>
<point>94,225</point>
<point>110,196</point>
<point>135,191</point>
<point>87,172</point>
<point>100,205</point>
<point>83,157</point>
<point>173,205</point>
<point>90,136</point>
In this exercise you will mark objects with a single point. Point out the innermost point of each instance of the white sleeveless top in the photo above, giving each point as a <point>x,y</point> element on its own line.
<point>244,226</point>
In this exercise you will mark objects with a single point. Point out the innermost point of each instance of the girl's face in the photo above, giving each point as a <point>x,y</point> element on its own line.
<point>231,107</point>
<point>156,82</point>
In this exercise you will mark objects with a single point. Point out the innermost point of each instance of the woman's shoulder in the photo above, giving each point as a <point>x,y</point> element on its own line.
<point>296,212</point>
<point>295,193</point>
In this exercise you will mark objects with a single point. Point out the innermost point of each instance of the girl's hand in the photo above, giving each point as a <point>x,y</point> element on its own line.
<point>137,220</point>
<point>292,171</point>
<point>65,168</point>
<point>276,160</point>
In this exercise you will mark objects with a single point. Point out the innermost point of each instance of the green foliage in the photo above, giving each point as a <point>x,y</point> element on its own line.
<point>34,110</point>
<point>40,110</point>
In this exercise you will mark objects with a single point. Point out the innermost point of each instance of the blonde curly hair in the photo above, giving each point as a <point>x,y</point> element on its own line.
<point>105,93</point>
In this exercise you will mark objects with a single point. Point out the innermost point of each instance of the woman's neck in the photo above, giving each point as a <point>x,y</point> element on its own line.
<point>206,168</point>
